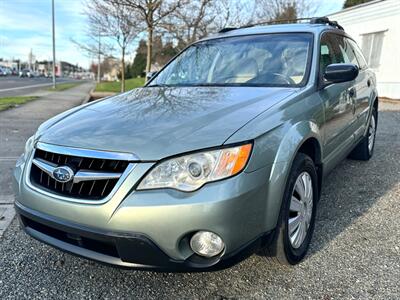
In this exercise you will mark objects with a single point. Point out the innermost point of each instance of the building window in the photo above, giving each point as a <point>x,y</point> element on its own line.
<point>372,47</point>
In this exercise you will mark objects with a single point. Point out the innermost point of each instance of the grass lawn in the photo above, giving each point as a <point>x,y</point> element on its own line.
<point>113,86</point>
<point>8,102</point>
<point>64,86</point>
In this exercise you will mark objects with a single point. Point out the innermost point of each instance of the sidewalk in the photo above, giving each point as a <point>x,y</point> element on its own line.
<point>17,125</point>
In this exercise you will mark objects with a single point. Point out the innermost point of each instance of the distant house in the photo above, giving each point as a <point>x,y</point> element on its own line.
<point>375,26</point>
<point>111,67</point>
<point>63,68</point>
<point>9,64</point>
<point>155,67</point>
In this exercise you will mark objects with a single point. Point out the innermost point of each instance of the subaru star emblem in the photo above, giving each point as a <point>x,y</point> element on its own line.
<point>63,174</point>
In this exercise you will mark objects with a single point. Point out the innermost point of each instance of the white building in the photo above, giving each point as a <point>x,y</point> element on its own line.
<point>375,26</point>
<point>9,64</point>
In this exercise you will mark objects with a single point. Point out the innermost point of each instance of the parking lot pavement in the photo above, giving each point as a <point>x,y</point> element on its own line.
<point>17,125</point>
<point>354,252</point>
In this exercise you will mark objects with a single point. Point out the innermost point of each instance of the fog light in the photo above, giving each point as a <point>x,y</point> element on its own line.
<point>206,244</point>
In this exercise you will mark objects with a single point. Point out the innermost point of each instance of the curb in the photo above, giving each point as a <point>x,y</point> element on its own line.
<point>389,100</point>
<point>97,95</point>
<point>7,214</point>
<point>88,96</point>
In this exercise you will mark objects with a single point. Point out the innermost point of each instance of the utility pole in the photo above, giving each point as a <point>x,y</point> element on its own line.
<point>99,62</point>
<point>54,45</point>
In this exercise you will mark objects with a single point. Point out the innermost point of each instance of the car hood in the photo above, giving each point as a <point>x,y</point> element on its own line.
<point>157,122</point>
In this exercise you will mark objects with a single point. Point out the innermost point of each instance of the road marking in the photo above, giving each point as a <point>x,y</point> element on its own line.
<point>8,158</point>
<point>6,199</point>
<point>30,86</point>
<point>25,87</point>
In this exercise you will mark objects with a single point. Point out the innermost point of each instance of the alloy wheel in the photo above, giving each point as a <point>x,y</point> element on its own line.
<point>371,133</point>
<point>300,210</point>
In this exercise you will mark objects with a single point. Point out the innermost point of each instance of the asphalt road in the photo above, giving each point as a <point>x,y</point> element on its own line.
<point>15,86</point>
<point>355,251</point>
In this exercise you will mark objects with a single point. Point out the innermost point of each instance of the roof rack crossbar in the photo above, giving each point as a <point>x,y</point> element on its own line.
<point>325,20</point>
<point>315,20</point>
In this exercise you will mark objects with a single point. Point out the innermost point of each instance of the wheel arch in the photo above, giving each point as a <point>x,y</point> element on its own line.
<point>375,105</point>
<point>304,137</point>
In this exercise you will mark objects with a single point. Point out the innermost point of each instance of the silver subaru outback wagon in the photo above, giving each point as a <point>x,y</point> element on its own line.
<point>222,154</point>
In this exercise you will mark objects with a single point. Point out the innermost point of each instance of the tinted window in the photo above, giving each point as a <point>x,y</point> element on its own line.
<point>347,51</point>
<point>257,60</point>
<point>360,57</point>
<point>330,52</point>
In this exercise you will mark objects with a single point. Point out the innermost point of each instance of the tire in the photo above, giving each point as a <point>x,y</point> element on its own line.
<point>364,150</point>
<point>283,247</point>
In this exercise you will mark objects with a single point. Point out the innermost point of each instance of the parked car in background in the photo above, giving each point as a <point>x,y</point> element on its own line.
<point>26,73</point>
<point>6,71</point>
<point>3,71</point>
<point>35,74</point>
<point>221,154</point>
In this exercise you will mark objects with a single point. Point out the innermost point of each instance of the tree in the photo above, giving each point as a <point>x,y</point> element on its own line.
<point>198,19</point>
<point>151,12</point>
<point>190,22</point>
<point>349,3</point>
<point>164,55</point>
<point>118,23</point>
<point>94,46</point>
<point>282,10</point>
<point>139,62</point>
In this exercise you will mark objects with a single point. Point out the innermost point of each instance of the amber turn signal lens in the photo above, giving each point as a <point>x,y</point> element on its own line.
<point>242,158</point>
<point>231,161</point>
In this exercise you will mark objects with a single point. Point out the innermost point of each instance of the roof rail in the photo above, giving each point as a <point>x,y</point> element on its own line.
<point>315,20</point>
<point>325,20</point>
<point>226,29</point>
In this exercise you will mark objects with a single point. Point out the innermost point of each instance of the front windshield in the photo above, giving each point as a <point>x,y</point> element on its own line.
<point>256,60</point>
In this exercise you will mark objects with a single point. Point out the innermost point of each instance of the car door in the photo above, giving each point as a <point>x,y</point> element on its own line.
<point>338,99</point>
<point>361,86</point>
<point>366,81</point>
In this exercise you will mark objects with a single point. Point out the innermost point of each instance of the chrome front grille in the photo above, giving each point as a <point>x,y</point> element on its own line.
<point>94,178</point>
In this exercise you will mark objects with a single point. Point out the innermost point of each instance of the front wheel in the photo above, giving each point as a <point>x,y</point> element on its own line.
<point>297,217</point>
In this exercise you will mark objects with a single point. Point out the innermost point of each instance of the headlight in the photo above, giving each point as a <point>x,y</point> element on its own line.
<point>28,148</point>
<point>190,172</point>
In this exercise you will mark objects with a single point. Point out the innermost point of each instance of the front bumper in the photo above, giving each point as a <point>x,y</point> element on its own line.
<point>126,250</point>
<point>151,229</point>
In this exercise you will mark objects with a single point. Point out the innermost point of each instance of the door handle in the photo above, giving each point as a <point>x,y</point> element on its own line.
<point>352,92</point>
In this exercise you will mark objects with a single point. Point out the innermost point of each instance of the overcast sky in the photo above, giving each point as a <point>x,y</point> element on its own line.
<point>26,24</point>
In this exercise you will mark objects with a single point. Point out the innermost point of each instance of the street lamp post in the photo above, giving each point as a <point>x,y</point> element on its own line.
<point>54,45</point>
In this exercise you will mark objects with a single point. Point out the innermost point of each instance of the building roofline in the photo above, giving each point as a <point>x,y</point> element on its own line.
<point>356,7</point>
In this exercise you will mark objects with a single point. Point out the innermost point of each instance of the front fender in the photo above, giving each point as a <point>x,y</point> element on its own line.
<point>294,138</point>
<point>290,144</point>
<point>278,135</point>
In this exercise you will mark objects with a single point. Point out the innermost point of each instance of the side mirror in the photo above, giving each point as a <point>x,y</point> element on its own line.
<point>336,73</point>
<point>150,75</point>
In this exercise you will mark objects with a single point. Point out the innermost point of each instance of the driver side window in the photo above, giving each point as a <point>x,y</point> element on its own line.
<point>330,53</point>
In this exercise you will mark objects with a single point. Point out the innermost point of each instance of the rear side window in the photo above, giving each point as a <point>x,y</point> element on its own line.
<point>360,57</point>
<point>347,51</point>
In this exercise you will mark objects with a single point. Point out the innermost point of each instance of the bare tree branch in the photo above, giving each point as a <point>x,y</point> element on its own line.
<point>112,19</point>
<point>275,10</point>
<point>151,12</point>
